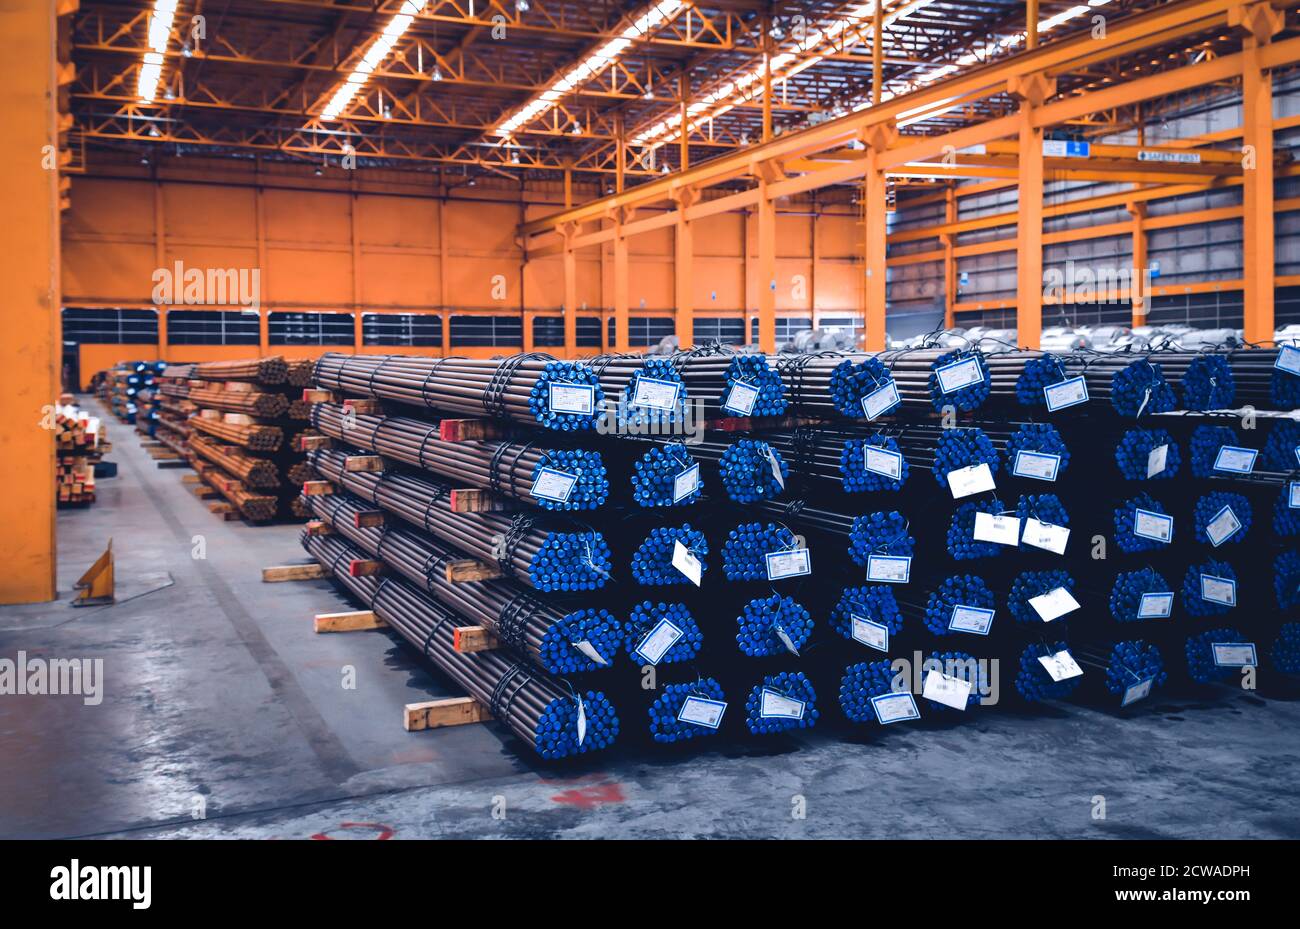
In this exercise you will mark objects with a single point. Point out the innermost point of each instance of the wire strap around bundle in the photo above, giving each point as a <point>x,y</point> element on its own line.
<point>520,526</point>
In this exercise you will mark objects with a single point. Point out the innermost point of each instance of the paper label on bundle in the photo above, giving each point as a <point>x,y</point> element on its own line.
<point>686,483</point>
<point>701,711</point>
<point>890,569</point>
<point>1156,605</point>
<point>871,634</point>
<point>950,691</point>
<point>881,400</point>
<point>572,398</point>
<point>741,398</point>
<point>794,563</point>
<point>1288,359</point>
<point>973,619</point>
<point>582,721</point>
<point>1139,691</point>
<point>656,394</point>
<point>590,651</point>
<point>894,708</point>
<point>883,461</point>
<point>1235,460</point>
<point>778,706</point>
<point>1037,465</point>
<point>786,640</point>
<point>970,480</point>
<point>687,563</point>
<point>1069,392</point>
<point>1234,654</point>
<point>1219,589</point>
<point>1054,604</point>
<point>553,485</point>
<point>1000,530</point>
<point>1061,666</point>
<point>1222,527</point>
<point>1046,536</point>
<point>1156,459</point>
<point>1150,525</point>
<point>959,374</point>
<point>776,469</point>
<point>657,641</point>
<point>1293,495</point>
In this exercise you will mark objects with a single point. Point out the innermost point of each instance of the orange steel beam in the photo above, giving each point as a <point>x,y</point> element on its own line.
<point>1138,211</point>
<point>621,284</point>
<point>766,269</point>
<point>1029,225</point>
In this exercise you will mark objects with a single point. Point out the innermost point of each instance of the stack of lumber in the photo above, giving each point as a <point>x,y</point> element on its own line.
<point>81,440</point>
<point>172,428</point>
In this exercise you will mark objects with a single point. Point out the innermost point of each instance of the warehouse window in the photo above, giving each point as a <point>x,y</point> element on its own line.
<point>502,331</point>
<point>1219,309</point>
<point>549,331</point>
<point>213,327</point>
<point>311,329</point>
<point>401,329</point>
<point>787,327</point>
<point>646,330</point>
<point>109,327</point>
<point>719,329</point>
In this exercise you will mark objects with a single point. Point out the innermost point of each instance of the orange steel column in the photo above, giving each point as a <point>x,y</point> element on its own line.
<point>160,260</point>
<point>570,296</point>
<point>766,270</point>
<point>874,222</point>
<point>1137,288</point>
<point>621,296</point>
<point>29,266</point>
<point>263,313</point>
<point>1258,272</point>
<point>683,270</point>
<point>1032,90</point>
<point>949,241</point>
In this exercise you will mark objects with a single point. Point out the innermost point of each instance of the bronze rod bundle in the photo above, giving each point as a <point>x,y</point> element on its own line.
<point>257,473</point>
<point>251,402</point>
<point>255,437</point>
<point>269,370</point>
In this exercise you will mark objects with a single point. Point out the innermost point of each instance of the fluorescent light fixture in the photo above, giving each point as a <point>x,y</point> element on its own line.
<point>650,19</point>
<point>160,30</point>
<point>375,54</point>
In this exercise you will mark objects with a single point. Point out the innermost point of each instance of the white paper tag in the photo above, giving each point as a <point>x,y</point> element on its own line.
<point>776,469</point>
<point>881,400</point>
<point>794,563</point>
<point>869,633</point>
<point>894,708</point>
<point>1139,691</point>
<point>1235,460</point>
<point>890,569</point>
<point>1219,589</point>
<point>1150,525</point>
<point>687,563</point>
<point>701,711</point>
<point>974,619</point>
<point>656,394</point>
<point>1070,392</point>
<point>950,691</point>
<point>1061,666</point>
<point>1156,459</point>
<point>553,485</point>
<point>572,398</point>
<point>1049,537</point>
<point>1288,359</point>
<point>1000,530</point>
<point>741,398</point>
<point>1222,527</point>
<point>778,706</point>
<point>1293,495</point>
<point>1234,654</point>
<point>657,641</point>
<point>1158,605</point>
<point>1054,604</point>
<point>686,483</point>
<point>786,640</point>
<point>970,480</point>
<point>883,461</point>
<point>582,721</point>
<point>959,374</point>
<point>590,651</point>
<point>1038,465</point>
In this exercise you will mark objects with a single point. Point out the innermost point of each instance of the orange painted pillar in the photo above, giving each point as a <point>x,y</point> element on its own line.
<point>874,216</point>
<point>683,282</point>
<point>1137,287</point>
<point>766,270</point>
<point>1029,233</point>
<point>1258,271</point>
<point>570,298</point>
<point>622,332</point>
<point>29,314</point>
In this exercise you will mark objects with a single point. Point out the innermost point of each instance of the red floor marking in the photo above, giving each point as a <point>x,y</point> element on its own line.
<point>589,798</point>
<point>381,831</point>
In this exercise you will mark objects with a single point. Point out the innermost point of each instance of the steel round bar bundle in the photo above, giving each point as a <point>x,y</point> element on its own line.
<point>539,709</point>
<point>860,683</point>
<point>1033,682</point>
<point>745,550</point>
<point>1193,590</point>
<point>1199,651</point>
<point>257,473</point>
<point>249,402</point>
<point>256,507</point>
<point>256,437</point>
<point>533,554</point>
<point>772,625</point>
<point>799,712</point>
<point>1133,455</point>
<point>1286,579</point>
<point>648,621</point>
<point>1129,589</point>
<point>543,633</point>
<point>870,603</point>
<point>1286,650</point>
<point>666,724</point>
<point>641,390</point>
<point>711,375</point>
<point>961,666</point>
<point>300,372</point>
<point>666,475</point>
<point>516,388</point>
<point>1207,511</point>
<point>1030,584</point>
<point>652,562</point>
<point>507,468</point>
<point>270,370</point>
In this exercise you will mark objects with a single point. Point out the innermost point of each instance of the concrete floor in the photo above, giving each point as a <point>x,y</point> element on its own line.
<point>225,716</point>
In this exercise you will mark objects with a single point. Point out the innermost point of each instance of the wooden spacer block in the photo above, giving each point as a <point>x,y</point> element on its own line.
<point>469,569</point>
<point>352,621</point>
<point>316,488</point>
<point>311,442</point>
<point>477,500</point>
<point>473,639</point>
<point>190,479</point>
<point>452,711</point>
<point>317,527</point>
<point>365,567</point>
<point>369,519</point>
<point>361,406</point>
<point>370,463</point>
<point>294,572</point>
<point>313,395</point>
<point>467,430</point>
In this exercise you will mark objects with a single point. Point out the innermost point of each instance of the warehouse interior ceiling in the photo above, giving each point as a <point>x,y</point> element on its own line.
<point>547,88</point>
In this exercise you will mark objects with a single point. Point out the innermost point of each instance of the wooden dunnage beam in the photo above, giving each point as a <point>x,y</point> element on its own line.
<point>451,711</point>
<point>351,621</point>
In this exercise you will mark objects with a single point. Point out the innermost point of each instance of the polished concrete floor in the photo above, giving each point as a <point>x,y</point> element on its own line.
<point>225,716</point>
